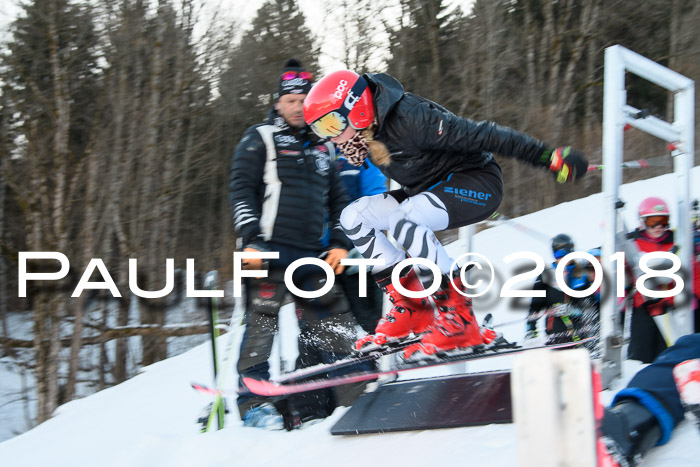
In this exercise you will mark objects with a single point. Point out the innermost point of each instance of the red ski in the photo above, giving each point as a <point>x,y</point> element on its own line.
<point>272,389</point>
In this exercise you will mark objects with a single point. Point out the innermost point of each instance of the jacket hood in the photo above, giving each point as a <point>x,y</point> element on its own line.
<point>386,92</point>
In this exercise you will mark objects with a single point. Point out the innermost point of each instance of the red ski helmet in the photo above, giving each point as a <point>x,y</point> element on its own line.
<point>654,212</point>
<point>339,99</point>
<point>653,206</point>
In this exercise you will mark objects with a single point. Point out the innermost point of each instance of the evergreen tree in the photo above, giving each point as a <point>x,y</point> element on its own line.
<point>278,32</point>
<point>418,50</point>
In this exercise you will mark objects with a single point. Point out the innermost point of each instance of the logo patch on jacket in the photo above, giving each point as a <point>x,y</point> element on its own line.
<point>323,161</point>
<point>468,196</point>
<point>285,140</point>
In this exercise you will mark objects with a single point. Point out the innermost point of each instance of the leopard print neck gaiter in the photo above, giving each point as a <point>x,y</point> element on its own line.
<point>355,149</point>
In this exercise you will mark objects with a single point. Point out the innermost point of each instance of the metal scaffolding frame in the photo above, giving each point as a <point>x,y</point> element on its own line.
<point>617,114</point>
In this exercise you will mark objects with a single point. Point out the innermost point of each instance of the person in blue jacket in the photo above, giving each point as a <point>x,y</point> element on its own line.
<point>365,180</point>
<point>644,414</point>
<point>566,318</point>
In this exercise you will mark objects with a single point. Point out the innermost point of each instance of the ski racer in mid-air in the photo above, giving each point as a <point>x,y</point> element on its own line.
<point>449,179</point>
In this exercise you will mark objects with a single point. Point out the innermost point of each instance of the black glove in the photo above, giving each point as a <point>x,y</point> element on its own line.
<point>567,163</point>
<point>399,195</point>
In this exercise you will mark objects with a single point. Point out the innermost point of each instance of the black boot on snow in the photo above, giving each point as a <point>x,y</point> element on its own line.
<point>629,431</point>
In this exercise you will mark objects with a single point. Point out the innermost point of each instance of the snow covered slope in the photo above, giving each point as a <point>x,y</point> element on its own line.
<point>149,420</point>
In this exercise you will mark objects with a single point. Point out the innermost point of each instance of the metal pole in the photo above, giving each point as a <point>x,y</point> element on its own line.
<point>683,161</point>
<point>615,98</point>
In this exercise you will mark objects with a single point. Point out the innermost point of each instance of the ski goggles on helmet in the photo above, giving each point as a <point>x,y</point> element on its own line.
<point>330,125</point>
<point>287,75</point>
<point>335,122</point>
<point>655,221</point>
<point>559,254</point>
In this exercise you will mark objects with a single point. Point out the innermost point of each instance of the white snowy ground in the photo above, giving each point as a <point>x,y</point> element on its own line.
<point>149,420</point>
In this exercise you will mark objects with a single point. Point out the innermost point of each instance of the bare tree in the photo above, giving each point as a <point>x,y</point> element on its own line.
<point>4,148</point>
<point>47,81</point>
<point>356,24</point>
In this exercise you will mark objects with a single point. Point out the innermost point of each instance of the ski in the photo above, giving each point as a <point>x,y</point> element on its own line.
<point>317,371</point>
<point>272,388</point>
<point>363,356</point>
<point>357,358</point>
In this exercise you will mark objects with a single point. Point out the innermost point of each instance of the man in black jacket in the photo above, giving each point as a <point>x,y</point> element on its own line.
<point>283,183</point>
<point>448,179</point>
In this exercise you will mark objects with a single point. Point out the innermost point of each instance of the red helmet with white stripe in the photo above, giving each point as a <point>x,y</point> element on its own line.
<point>339,99</point>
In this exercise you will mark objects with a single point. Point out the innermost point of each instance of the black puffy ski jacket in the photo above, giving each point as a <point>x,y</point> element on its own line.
<point>284,188</point>
<point>428,142</point>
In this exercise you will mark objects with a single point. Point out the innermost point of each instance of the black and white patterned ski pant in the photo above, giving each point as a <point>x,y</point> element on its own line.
<point>458,200</point>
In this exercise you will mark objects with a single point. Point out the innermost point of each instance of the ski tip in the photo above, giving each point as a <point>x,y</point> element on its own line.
<point>205,389</point>
<point>260,387</point>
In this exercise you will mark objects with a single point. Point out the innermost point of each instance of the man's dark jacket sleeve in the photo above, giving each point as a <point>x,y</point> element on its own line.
<point>246,188</point>
<point>337,200</point>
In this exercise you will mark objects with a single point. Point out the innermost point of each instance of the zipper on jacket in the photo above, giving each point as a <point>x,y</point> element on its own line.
<point>309,199</point>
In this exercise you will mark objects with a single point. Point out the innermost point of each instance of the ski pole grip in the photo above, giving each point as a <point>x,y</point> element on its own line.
<point>211,279</point>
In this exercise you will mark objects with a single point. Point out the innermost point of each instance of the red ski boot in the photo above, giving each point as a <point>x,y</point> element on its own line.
<point>408,315</point>
<point>455,326</point>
